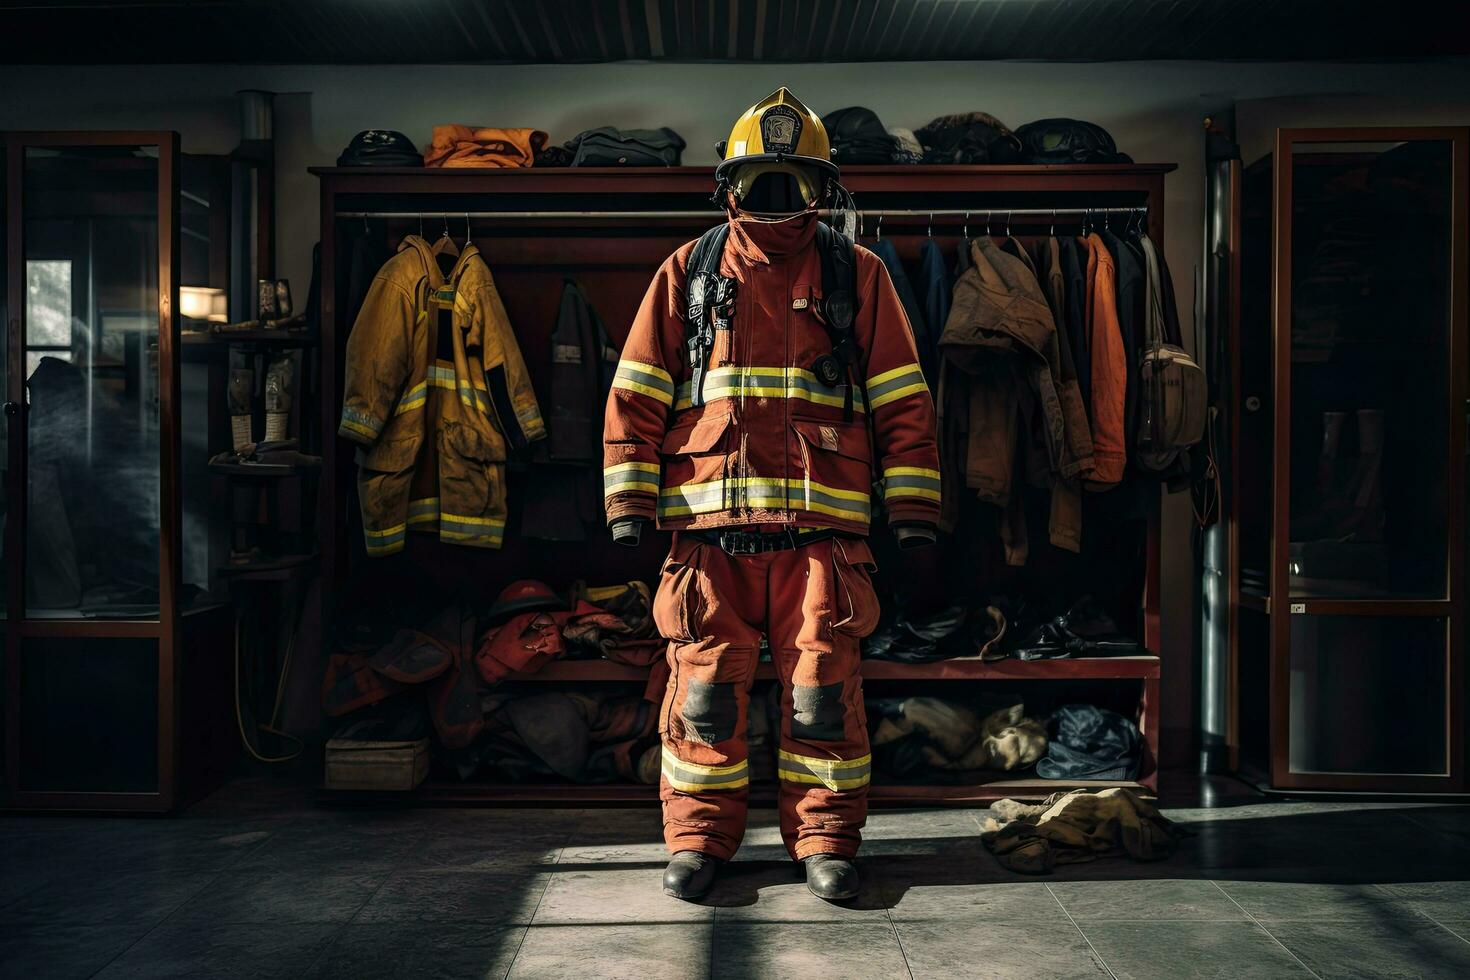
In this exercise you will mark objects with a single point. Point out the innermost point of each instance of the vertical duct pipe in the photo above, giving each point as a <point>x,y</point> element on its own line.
<point>1213,342</point>
<point>252,201</point>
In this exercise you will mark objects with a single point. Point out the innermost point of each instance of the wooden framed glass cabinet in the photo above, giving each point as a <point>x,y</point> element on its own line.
<point>1350,462</point>
<point>117,658</point>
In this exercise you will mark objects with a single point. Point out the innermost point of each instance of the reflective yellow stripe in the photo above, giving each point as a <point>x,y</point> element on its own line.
<point>911,481</point>
<point>384,541</point>
<point>627,384</point>
<point>352,426</point>
<point>413,398</point>
<point>423,511</point>
<point>646,379</point>
<point>890,386</point>
<point>898,372</point>
<point>835,774</point>
<point>621,477</point>
<point>479,521</point>
<point>753,492</point>
<point>690,777</point>
<point>472,394</point>
<point>765,382</point>
<point>646,368</point>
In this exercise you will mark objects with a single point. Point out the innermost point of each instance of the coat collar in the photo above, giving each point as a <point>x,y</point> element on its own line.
<point>432,272</point>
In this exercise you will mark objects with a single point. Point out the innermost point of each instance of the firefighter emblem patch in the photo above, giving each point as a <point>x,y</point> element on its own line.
<point>780,129</point>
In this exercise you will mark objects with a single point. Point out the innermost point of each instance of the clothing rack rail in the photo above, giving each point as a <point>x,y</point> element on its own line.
<point>652,215</point>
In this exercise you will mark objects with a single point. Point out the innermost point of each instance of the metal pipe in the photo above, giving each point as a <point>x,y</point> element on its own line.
<point>1212,555</point>
<point>664,215</point>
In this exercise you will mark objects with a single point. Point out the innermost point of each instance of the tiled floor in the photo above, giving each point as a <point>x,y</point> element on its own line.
<point>261,885</point>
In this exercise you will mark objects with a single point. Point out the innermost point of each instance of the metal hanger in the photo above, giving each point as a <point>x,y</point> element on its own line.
<point>445,245</point>
<point>878,229</point>
<point>1051,232</point>
<point>929,232</point>
<point>1008,224</point>
<point>421,224</point>
<point>467,229</point>
<point>966,229</point>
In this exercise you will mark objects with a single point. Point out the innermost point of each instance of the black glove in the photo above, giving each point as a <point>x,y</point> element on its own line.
<point>627,530</point>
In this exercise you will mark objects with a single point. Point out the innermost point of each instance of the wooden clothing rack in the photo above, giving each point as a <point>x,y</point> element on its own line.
<point>609,229</point>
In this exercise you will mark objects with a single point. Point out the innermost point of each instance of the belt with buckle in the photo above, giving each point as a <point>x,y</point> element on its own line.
<point>760,542</point>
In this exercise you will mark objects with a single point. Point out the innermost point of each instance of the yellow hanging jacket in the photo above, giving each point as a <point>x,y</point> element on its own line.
<point>436,390</point>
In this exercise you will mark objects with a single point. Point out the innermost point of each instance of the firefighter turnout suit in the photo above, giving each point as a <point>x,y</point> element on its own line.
<point>770,448</point>
<point>435,392</point>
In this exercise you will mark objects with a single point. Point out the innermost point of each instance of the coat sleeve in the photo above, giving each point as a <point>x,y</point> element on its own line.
<point>505,371</point>
<point>1109,372</point>
<point>642,396</point>
<point>379,361</point>
<point>900,408</point>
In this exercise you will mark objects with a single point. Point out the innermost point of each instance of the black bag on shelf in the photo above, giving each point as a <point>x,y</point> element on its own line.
<point>858,136</point>
<point>380,148</point>
<point>1068,141</point>
<point>609,147</point>
<point>968,137</point>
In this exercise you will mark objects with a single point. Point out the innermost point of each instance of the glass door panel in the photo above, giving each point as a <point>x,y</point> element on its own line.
<point>1370,369</point>
<point>1369,695</point>
<point>91,333</point>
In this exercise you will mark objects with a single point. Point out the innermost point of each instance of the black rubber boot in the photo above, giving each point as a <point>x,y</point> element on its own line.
<point>831,877</point>
<point>690,875</point>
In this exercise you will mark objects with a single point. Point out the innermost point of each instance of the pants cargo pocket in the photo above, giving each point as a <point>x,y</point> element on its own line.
<point>856,606</point>
<point>678,604</point>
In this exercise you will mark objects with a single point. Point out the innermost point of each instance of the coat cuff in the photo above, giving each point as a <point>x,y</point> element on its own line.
<point>360,427</point>
<point>913,512</point>
<point>631,503</point>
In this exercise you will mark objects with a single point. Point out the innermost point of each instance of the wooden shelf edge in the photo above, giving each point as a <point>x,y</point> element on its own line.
<point>610,794</point>
<point>916,169</point>
<point>964,668</point>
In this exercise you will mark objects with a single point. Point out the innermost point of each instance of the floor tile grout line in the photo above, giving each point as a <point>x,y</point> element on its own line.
<point>157,925</point>
<point>342,926</point>
<point>1085,937</point>
<point>1261,926</point>
<point>714,937</point>
<point>530,919</point>
<point>888,913</point>
<point>1443,925</point>
<point>1454,840</point>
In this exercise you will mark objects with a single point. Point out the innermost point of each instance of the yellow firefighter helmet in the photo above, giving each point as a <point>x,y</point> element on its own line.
<point>778,134</point>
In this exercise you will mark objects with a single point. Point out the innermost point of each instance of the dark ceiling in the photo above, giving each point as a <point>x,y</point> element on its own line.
<point>491,31</point>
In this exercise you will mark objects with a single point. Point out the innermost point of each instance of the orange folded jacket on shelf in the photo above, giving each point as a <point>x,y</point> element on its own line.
<point>483,146</point>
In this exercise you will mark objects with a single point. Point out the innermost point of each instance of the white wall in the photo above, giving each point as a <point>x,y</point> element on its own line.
<point>1153,109</point>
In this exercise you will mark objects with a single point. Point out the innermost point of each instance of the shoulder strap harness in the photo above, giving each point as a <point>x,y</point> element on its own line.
<point>711,303</point>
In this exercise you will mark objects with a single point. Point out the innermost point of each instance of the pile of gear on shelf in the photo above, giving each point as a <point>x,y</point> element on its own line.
<point>929,740</point>
<point>447,675</point>
<point>857,137</point>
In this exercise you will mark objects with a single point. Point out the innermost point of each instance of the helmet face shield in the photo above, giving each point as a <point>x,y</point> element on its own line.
<point>772,187</point>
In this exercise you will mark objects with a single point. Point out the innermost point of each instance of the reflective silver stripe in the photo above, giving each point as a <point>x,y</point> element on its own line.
<point>693,778</point>
<point>893,385</point>
<point>630,476</point>
<point>835,774</point>
<point>765,382</point>
<point>646,379</point>
<point>911,481</point>
<point>702,498</point>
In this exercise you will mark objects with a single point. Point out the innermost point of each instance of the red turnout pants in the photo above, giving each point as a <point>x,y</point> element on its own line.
<point>813,604</point>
